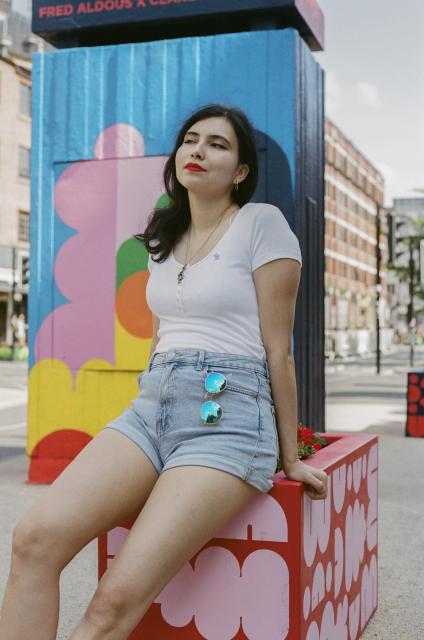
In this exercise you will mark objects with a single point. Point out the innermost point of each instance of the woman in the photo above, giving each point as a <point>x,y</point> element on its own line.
<point>216,404</point>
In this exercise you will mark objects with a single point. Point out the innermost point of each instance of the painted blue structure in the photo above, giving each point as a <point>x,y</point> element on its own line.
<point>153,86</point>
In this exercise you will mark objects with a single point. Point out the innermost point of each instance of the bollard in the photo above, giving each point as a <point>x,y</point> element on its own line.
<point>415,405</point>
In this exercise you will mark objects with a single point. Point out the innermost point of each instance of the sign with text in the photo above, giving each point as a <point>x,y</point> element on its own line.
<point>63,16</point>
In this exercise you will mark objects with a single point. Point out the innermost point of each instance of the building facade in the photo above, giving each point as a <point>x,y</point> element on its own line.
<point>354,196</point>
<point>16,46</point>
<point>15,149</point>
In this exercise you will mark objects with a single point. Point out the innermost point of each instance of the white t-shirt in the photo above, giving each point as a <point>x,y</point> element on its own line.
<point>215,307</point>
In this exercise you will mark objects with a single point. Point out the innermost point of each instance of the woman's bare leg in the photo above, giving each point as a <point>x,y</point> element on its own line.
<point>186,508</point>
<point>107,483</point>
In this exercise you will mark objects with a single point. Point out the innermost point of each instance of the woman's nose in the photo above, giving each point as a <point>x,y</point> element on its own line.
<point>197,150</point>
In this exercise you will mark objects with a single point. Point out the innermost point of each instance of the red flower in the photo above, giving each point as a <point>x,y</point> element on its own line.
<point>308,441</point>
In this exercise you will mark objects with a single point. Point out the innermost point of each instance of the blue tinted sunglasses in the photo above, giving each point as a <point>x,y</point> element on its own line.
<point>211,411</point>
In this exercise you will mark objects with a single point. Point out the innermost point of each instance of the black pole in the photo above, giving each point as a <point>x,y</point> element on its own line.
<point>377,290</point>
<point>13,301</point>
<point>411,301</point>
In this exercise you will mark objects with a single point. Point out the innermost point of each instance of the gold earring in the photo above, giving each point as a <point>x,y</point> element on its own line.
<point>236,183</point>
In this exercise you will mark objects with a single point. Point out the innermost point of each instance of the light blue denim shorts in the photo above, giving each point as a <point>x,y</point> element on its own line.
<point>164,419</point>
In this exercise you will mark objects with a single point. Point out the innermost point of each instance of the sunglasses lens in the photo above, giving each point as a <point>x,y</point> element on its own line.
<point>211,412</point>
<point>215,382</point>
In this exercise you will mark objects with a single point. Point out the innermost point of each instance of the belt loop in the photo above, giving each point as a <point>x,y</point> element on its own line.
<point>266,368</point>
<point>200,359</point>
<point>149,367</point>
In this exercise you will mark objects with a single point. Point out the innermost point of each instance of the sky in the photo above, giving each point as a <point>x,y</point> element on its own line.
<point>374,85</point>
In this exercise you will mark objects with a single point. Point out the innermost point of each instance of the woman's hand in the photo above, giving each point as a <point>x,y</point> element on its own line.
<point>314,479</point>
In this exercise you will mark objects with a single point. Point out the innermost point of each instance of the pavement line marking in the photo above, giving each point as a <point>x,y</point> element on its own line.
<point>11,427</point>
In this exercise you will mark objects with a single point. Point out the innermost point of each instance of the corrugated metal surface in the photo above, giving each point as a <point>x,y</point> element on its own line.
<point>310,229</point>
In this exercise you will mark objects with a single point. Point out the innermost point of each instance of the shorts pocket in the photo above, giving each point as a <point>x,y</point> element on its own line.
<point>246,392</point>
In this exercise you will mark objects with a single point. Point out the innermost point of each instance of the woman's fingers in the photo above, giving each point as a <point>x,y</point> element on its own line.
<point>319,490</point>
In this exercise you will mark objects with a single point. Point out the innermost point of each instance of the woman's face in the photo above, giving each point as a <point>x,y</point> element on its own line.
<point>212,144</point>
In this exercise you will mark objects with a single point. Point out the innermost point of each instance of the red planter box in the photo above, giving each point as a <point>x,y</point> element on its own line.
<point>286,566</point>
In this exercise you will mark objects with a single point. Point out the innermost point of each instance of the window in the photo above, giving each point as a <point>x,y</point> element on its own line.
<point>25,99</point>
<point>23,226</point>
<point>339,162</point>
<point>24,162</point>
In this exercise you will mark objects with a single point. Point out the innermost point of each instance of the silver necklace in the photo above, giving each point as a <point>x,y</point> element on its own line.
<point>182,272</point>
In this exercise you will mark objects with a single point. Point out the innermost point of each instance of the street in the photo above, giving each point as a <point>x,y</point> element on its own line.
<point>357,399</point>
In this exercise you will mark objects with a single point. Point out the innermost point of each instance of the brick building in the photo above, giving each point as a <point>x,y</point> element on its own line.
<point>17,44</point>
<point>354,195</point>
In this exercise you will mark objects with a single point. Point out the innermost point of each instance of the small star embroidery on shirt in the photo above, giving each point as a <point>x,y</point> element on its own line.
<point>216,256</point>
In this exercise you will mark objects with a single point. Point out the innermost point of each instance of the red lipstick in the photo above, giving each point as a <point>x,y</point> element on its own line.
<point>192,166</point>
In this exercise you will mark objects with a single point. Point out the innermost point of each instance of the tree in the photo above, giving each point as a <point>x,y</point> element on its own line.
<point>407,244</point>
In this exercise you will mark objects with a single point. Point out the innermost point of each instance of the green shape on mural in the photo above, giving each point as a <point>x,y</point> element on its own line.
<point>132,255</point>
<point>163,201</point>
<point>131,258</point>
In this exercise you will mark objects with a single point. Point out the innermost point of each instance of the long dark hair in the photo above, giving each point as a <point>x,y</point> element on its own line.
<point>171,216</point>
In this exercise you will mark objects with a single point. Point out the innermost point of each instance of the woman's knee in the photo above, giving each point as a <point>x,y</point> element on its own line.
<point>107,609</point>
<point>36,540</point>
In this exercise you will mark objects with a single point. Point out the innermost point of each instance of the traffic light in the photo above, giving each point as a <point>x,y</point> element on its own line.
<point>25,271</point>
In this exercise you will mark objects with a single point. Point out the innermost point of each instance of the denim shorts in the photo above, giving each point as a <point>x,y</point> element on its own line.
<point>164,419</point>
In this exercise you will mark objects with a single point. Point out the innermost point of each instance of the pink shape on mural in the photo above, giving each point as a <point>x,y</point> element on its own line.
<point>258,592</point>
<point>316,524</point>
<point>263,516</point>
<point>368,591</point>
<point>105,201</point>
<point>354,614</point>
<point>372,487</point>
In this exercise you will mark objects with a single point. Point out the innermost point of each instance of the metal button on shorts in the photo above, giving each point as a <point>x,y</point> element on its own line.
<point>165,418</point>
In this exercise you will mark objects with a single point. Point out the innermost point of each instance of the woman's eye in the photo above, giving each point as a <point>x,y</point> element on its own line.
<point>214,144</point>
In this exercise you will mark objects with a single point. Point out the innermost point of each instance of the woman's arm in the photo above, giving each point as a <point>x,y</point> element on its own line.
<point>284,393</point>
<point>277,284</point>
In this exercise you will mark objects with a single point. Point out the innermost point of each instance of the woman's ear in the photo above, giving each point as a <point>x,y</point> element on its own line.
<point>243,172</point>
